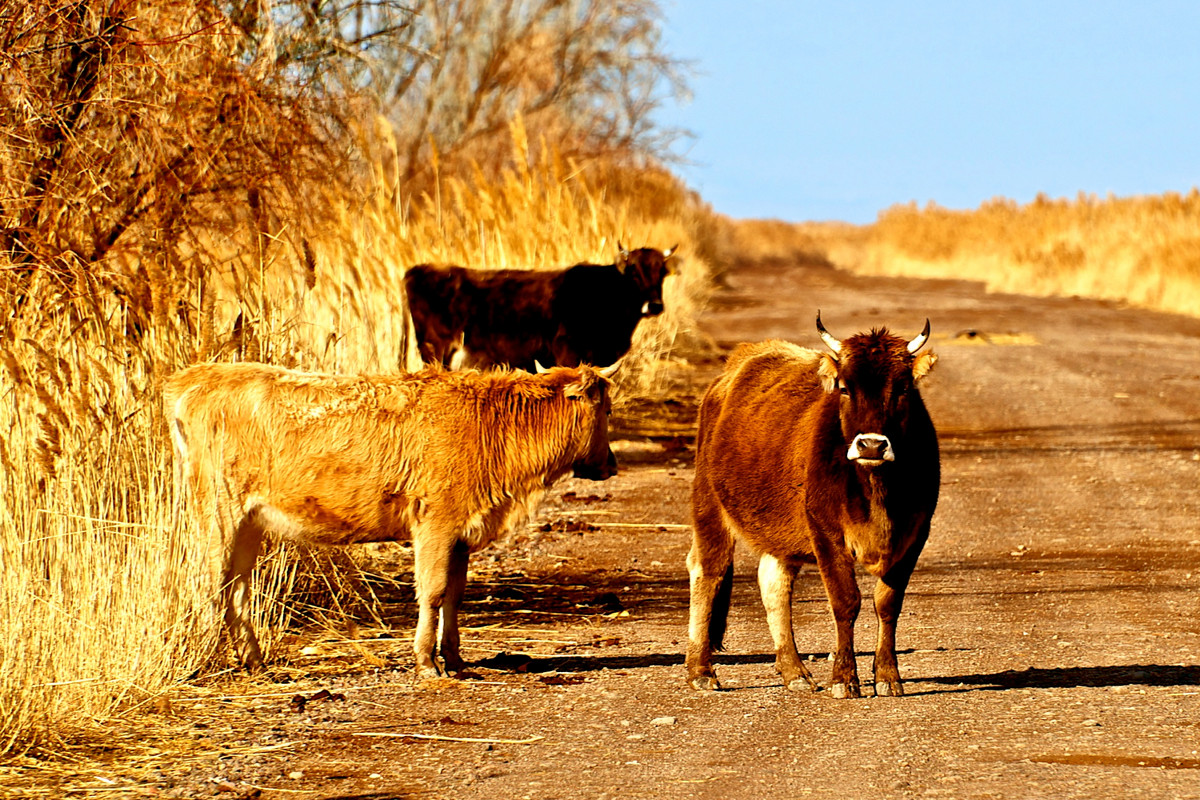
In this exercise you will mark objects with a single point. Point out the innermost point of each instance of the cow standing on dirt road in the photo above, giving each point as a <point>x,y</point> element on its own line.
<point>811,457</point>
<point>452,460</point>
<point>585,314</point>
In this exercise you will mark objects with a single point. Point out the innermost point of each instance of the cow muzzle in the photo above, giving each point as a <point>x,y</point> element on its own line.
<point>871,450</point>
<point>593,472</point>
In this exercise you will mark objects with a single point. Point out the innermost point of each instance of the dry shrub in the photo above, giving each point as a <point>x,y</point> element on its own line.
<point>776,240</point>
<point>540,211</point>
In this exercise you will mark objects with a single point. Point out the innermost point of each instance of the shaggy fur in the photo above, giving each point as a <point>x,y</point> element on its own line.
<point>449,460</point>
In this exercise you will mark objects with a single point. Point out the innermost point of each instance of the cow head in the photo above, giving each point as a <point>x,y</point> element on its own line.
<point>875,375</point>
<point>647,268</point>
<point>590,389</point>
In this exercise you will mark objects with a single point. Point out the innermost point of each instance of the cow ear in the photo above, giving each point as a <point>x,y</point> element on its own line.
<point>922,364</point>
<point>827,371</point>
<point>582,387</point>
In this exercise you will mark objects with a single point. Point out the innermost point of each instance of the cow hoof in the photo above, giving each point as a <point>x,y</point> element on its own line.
<point>705,683</point>
<point>883,689</point>
<point>802,684</point>
<point>842,691</point>
<point>428,674</point>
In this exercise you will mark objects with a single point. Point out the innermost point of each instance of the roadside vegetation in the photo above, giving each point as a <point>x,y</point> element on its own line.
<point>246,180</point>
<point>1143,251</point>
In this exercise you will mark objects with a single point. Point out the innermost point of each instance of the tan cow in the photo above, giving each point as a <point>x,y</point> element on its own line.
<point>450,460</point>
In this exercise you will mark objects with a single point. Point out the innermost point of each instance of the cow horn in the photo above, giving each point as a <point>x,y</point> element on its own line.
<point>538,368</point>
<point>608,372</point>
<point>827,337</point>
<point>919,342</point>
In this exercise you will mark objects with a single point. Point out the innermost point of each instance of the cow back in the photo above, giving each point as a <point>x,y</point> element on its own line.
<point>754,441</point>
<point>341,459</point>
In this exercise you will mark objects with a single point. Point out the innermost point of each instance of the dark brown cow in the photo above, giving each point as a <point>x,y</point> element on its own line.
<point>450,460</point>
<point>811,457</point>
<point>585,314</point>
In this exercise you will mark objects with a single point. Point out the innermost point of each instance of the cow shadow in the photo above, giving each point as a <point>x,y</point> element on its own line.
<point>1068,678</point>
<point>506,662</point>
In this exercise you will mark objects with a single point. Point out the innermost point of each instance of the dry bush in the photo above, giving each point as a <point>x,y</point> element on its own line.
<point>776,240</point>
<point>587,74</point>
<point>540,211</point>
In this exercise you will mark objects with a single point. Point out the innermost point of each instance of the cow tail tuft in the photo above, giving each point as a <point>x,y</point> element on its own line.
<point>720,610</point>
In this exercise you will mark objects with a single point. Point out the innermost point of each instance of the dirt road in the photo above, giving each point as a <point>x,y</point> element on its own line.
<point>1049,644</point>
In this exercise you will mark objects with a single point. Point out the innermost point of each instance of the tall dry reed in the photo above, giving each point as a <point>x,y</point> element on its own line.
<point>106,592</point>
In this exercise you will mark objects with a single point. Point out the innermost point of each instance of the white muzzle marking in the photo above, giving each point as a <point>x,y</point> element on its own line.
<point>873,443</point>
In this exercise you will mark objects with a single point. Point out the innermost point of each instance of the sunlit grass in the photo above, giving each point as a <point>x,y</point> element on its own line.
<point>1144,251</point>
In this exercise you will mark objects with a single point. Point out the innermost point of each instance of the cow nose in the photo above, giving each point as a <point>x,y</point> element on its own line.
<point>591,472</point>
<point>652,308</point>
<point>871,448</point>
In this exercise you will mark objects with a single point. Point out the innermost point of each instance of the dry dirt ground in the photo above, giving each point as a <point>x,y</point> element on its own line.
<point>1049,642</point>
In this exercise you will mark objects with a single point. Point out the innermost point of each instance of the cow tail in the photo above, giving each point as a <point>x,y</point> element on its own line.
<point>720,610</point>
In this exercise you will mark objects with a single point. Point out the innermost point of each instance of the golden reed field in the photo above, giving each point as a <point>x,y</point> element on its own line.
<point>1143,251</point>
<point>186,183</point>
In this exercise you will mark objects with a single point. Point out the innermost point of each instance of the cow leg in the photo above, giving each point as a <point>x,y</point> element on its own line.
<point>845,600</point>
<point>240,556</point>
<point>775,581</point>
<point>455,585</point>
<point>710,572</point>
<point>432,554</point>
<point>889,598</point>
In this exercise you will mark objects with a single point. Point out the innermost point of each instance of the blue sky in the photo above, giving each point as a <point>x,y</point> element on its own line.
<point>837,110</point>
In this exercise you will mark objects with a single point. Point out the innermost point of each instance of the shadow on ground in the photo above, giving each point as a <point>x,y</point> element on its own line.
<point>1073,677</point>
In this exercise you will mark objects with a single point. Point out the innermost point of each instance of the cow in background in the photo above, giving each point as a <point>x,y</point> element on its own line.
<point>450,460</point>
<point>585,314</point>
<point>813,457</point>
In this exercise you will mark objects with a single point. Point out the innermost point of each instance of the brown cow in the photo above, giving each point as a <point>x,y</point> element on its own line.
<point>585,314</point>
<point>450,460</point>
<point>811,457</point>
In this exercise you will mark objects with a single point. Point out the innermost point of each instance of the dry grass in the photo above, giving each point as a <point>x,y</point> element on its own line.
<point>1144,251</point>
<point>106,595</point>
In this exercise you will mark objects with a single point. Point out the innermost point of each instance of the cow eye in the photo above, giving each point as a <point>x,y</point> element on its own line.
<point>844,389</point>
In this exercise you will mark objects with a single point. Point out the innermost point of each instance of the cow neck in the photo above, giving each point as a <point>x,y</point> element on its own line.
<point>526,431</point>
